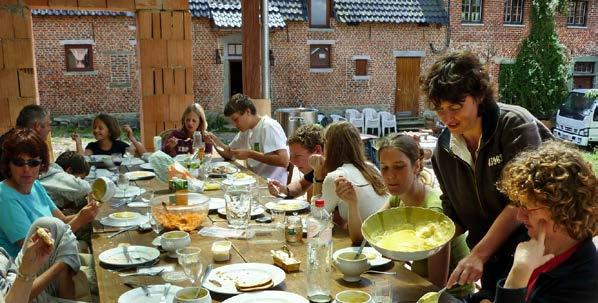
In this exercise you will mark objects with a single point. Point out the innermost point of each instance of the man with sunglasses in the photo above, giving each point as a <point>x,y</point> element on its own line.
<point>480,137</point>
<point>35,117</point>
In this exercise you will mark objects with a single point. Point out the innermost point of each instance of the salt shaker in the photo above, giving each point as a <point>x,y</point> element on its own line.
<point>294,229</point>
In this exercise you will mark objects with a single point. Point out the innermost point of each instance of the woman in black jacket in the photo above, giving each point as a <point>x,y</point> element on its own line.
<point>556,191</point>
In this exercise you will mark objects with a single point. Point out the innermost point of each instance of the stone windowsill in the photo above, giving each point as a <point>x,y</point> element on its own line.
<point>471,24</point>
<point>513,25</point>
<point>320,30</point>
<point>362,78</point>
<point>89,73</point>
<point>576,27</point>
<point>320,70</point>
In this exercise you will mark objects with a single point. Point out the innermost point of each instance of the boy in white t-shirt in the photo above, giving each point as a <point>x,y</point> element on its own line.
<point>261,140</point>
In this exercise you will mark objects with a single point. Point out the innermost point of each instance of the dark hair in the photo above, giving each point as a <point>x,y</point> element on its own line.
<point>404,143</point>
<point>111,123</point>
<point>74,161</point>
<point>307,136</point>
<point>30,114</point>
<point>198,110</point>
<point>455,76</point>
<point>239,103</point>
<point>19,141</point>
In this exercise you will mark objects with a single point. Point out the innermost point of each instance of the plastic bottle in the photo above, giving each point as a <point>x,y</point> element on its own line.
<point>198,145</point>
<point>319,253</point>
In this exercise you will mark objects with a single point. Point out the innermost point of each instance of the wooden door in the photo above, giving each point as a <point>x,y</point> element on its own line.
<point>407,93</point>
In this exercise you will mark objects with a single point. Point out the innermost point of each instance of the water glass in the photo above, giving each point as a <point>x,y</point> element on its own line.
<point>189,259</point>
<point>382,291</point>
<point>279,220</point>
<point>117,159</point>
<point>238,206</point>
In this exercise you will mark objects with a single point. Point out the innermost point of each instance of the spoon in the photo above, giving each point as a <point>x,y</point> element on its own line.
<point>360,248</point>
<point>203,279</point>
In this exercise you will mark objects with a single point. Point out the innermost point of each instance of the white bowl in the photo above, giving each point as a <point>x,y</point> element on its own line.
<point>103,189</point>
<point>173,240</point>
<point>191,291</point>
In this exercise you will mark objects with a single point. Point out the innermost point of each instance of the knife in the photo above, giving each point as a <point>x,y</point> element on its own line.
<point>126,253</point>
<point>143,287</point>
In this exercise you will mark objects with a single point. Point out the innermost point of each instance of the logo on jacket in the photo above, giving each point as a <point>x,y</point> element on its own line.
<point>494,160</point>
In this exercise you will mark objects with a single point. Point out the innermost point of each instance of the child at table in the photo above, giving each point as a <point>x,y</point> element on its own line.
<point>180,141</point>
<point>107,133</point>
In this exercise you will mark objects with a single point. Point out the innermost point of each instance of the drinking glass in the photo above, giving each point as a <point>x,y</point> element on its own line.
<point>117,159</point>
<point>189,259</point>
<point>382,291</point>
<point>123,183</point>
<point>279,220</point>
<point>238,206</point>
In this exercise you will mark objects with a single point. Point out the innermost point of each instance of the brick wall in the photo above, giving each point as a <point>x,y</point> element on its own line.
<point>112,87</point>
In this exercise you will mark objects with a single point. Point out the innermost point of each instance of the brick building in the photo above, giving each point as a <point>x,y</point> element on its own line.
<point>368,53</point>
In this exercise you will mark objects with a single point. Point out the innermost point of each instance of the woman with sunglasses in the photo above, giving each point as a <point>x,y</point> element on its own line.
<point>480,137</point>
<point>22,197</point>
<point>556,192</point>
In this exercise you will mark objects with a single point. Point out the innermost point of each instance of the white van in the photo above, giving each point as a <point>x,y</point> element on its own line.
<point>577,119</point>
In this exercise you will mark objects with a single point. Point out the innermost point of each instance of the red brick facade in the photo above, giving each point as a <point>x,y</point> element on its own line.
<point>292,80</point>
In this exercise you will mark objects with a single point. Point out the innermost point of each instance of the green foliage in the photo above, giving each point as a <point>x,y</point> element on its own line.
<point>216,121</point>
<point>592,94</point>
<point>538,79</point>
<point>593,158</point>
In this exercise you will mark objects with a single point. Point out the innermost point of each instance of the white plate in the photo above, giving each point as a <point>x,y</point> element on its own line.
<point>132,161</point>
<point>228,274</point>
<point>137,295</point>
<point>157,241</point>
<point>124,216</point>
<point>146,166</point>
<point>123,223</point>
<point>256,211</point>
<point>230,167</point>
<point>115,256</point>
<point>374,257</point>
<point>244,181</point>
<point>131,192</point>
<point>216,203</point>
<point>268,296</point>
<point>97,158</point>
<point>139,204</point>
<point>288,205</point>
<point>139,175</point>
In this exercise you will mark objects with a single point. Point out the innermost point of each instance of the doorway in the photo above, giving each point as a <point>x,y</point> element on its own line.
<point>236,76</point>
<point>407,77</point>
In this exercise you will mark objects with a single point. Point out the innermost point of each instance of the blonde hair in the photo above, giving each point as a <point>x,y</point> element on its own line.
<point>198,110</point>
<point>556,176</point>
<point>343,145</point>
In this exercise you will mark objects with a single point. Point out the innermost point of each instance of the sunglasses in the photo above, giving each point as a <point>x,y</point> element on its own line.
<point>30,162</point>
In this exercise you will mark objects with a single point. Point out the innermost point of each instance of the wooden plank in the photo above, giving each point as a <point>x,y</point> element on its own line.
<point>176,53</point>
<point>9,83</point>
<point>179,81</point>
<point>155,108</point>
<point>144,25</point>
<point>175,5</point>
<point>26,82</point>
<point>101,4</point>
<point>1,56</point>
<point>147,81</point>
<point>18,53</point>
<point>156,27</point>
<point>4,112</point>
<point>171,124</point>
<point>15,105</point>
<point>148,131</point>
<point>41,4</point>
<point>63,3</point>
<point>189,81</point>
<point>6,29</point>
<point>168,74</point>
<point>148,4</point>
<point>158,81</point>
<point>178,29</point>
<point>166,24</point>
<point>251,33</point>
<point>188,25</point>
<point>22,23</point>
<point>125,5</point>
<point>152,53</point>
<point>176,107</point>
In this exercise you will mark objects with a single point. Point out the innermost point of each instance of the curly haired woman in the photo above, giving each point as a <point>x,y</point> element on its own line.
<point>556,191</point>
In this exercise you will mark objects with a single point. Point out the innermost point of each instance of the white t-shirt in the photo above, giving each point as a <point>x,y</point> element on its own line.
<point>267,136</point>
<point>368,200</point>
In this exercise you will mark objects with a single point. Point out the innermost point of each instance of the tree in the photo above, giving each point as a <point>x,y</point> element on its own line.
<point>538,79</point>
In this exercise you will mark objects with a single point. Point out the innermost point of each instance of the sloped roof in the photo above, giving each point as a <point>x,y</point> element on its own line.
<point>390,11</point>
<point>227,13</point>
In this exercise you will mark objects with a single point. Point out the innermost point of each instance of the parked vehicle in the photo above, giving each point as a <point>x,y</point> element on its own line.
<point>577,119</point>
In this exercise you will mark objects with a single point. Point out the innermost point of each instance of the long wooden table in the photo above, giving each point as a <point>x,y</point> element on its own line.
<point>407,286</point>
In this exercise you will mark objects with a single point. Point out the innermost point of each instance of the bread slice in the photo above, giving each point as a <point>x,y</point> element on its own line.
<point>254,282</point>
<point>262,287</point>
<point>43,234</point>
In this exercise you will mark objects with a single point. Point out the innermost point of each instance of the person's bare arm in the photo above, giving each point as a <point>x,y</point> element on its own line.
<point>276,158</point>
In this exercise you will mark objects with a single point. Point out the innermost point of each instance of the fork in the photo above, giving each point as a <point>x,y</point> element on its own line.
<point>150,274</point>
<point>362,185</point>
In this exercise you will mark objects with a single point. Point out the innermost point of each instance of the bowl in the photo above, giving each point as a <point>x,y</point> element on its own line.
<point>351,267</point>
<point>182,210</point>
<point>353,296</point>
<point>173,240</point>
<point>187,295</point>
<point>103,189</point>
<point>408,233</point>
<point>221,250</point>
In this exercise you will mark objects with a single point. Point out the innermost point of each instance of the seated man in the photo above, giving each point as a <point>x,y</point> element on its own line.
<point>64,182</point>
<point>305,141</point>
<point>261,140</point>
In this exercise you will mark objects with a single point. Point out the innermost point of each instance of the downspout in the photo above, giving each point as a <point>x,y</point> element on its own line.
<point>447,40</point>
<point>265,52</point>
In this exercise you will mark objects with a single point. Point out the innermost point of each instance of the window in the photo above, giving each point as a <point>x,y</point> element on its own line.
<point>361,67</point>
<point>235,50</point>
<point>584,67</point>
<point>513,12</point>
<point>319,10</point>
<point>78,57</point>
<point>577,13</point>
<point>320,56</point>
<point>471,11</point>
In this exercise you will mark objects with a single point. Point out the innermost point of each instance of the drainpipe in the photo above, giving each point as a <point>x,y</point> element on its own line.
<point>447,40</point>
<point>265,52</point>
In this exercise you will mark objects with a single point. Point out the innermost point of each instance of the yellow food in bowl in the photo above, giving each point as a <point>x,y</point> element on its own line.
<point>431,297</point>
<point>123,215</point>
<point>98,190</point>
<point>406,238</point>
<point>241,176</point>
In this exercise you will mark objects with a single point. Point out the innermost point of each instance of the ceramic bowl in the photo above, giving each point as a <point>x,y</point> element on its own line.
<point>103,189</point>
<point>187,295</point>
<point>173,240</point>
<point>351,267</point>
<point>422,223</point>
